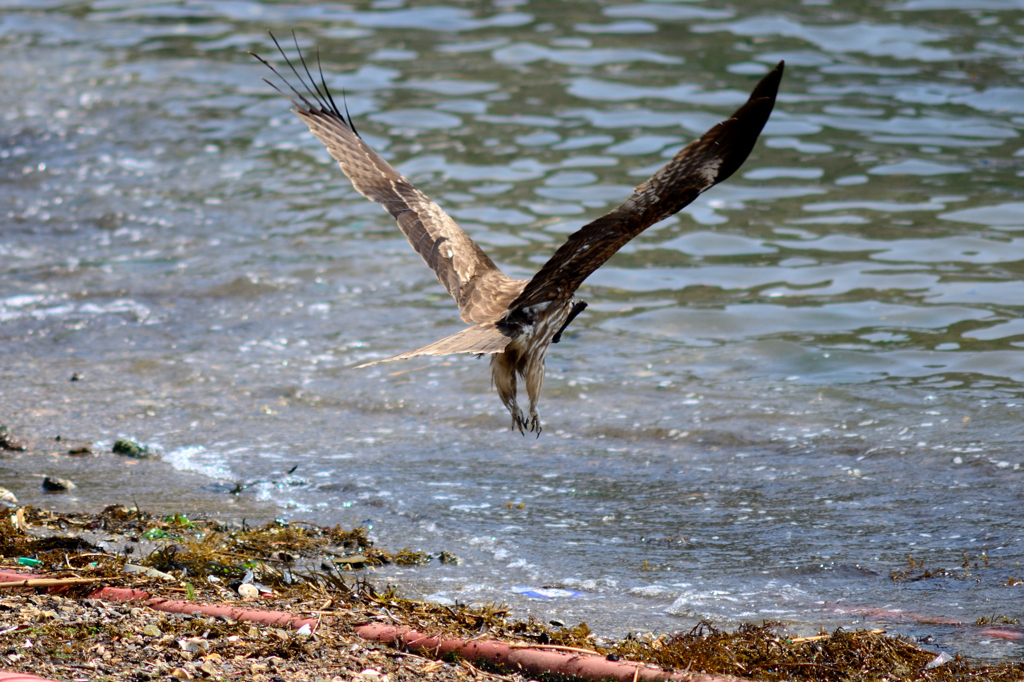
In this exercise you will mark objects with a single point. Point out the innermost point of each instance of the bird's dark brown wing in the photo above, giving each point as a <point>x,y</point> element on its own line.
<point>480,289</point>
<point>696,168</point>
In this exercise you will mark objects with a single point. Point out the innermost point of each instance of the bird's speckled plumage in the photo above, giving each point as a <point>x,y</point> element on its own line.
<point>517,320</point>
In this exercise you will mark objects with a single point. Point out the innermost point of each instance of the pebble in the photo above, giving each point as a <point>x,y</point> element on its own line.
<point>7,498</point>
<point>9,442</point>
<point>57,485</point>
<point>130,448</point>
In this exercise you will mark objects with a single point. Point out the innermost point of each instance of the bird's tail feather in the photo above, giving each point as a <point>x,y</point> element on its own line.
<point>485,338</point>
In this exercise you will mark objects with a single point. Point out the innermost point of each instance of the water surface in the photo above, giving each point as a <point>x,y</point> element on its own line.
<point>775,400</point>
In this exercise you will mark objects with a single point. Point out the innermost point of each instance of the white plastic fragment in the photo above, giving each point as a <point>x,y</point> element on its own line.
<point>147,571</point>
<point>941,659</point>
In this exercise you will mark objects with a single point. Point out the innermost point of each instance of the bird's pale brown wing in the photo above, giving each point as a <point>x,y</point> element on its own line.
<point>486,338</point>
<point>696,168</point>
<point>481,291</point>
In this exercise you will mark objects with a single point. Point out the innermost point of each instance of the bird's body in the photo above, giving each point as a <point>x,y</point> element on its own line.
<point>532,329</point>
<point>516,321</point>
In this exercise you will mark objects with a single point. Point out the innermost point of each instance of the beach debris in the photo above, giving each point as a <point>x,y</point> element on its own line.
<point>18,520</point>
<point>9,442</point>
<point>130,448</point>
<point>248,591</point>
<point>941,659</point>
<point>53,484</point>
<point>238,487</point>
<point>147,571</point>
<point>449,558</point>
<point>157,534</point>
<point>408,557</point>
<point>545,592</point>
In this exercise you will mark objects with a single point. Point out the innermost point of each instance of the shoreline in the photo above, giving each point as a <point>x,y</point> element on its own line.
<point>362,631</point>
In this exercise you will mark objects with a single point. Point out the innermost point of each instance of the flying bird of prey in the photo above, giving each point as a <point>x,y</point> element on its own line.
<point>514,321</point>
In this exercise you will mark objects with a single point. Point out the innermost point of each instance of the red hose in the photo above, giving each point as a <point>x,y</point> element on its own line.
<point>495,654</point>
<point>529,661</point>
<point>11,676</point>
<point>279,618</point>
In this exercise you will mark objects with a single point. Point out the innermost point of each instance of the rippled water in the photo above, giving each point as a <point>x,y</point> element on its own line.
<point>774,399</point>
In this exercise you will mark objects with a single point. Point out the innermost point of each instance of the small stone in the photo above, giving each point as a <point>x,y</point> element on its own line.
<point>9,442</point>
<point>80,451</point>
<point>449,558</point>
<point>259,668</point>
<point>151,631</point>
<point>7,498</point>
<point>193,644</point>
<point>209,668</point>
<point>181,674</point>
<point>57,485</point>
<point>130,448</point>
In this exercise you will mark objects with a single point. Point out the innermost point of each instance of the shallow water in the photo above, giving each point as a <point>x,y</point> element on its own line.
<point>775,399</point>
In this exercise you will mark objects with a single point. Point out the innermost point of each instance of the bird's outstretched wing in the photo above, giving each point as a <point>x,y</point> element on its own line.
<point>480,289</point>
<point>696,168</point>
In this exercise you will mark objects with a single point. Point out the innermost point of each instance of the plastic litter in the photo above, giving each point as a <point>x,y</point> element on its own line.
<point>941,659</point>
